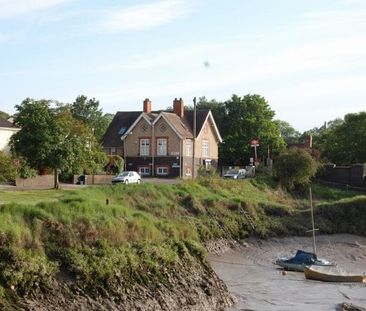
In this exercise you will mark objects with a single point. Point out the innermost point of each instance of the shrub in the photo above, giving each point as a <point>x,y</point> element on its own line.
<point>7,168</point>
<point>25,171</point>
<point>207,172</point>
<point>295,168</point>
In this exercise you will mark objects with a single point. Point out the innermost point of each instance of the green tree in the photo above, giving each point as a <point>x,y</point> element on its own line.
<point>7,168</point>
<point>289,134</point>
<point>4,115</point>
<point>344,142</point>
<point>294,168</point>
<point>249,117</point>
<point>88,111</point>
<point>52,138</point>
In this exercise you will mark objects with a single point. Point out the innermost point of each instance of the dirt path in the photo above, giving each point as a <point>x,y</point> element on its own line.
<point>250,274</point>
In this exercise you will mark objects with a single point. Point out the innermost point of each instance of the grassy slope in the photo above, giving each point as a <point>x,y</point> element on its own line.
<point>148,226</point>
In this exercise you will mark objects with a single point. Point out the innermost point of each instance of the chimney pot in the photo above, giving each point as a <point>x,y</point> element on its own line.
<point>178,107</point>
<point>147,105</point>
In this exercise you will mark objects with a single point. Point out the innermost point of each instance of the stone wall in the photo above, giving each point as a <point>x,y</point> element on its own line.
<point>40,181</point>
<point>96,179</point>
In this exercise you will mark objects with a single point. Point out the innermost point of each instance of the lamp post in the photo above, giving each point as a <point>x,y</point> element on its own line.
<point>194,136</point>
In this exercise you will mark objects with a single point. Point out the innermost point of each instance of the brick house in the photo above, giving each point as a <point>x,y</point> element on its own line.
<point>161,143</point>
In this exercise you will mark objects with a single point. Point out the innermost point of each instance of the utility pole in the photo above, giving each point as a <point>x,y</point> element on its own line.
<point>194,136</point>
<point>312,220</point>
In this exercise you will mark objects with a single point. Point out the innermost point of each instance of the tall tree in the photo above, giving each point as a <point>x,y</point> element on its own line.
<point>52,138</point>
<point>88,111</point>
<point>344,142</point>
<point>289,134</point>
<point>249,117</point>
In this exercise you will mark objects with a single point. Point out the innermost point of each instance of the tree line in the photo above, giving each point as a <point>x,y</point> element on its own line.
<point>61,137</point>
<point>66,137</point>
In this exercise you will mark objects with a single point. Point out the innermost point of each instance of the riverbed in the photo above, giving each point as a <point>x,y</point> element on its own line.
<point>251,276</point>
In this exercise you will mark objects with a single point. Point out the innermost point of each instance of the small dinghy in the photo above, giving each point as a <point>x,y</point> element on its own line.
<point>332,274</point>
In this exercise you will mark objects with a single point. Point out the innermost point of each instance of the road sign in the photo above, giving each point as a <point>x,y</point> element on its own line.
<point>254,142</point>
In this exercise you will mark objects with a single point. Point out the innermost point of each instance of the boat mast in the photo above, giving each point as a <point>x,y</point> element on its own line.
<point>312,219</point>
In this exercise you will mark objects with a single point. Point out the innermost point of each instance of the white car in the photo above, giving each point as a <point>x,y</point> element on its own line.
<point>235,174</point>
<point>127,177</point>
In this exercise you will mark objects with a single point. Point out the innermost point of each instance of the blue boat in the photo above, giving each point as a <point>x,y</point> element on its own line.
<point>302,260</point>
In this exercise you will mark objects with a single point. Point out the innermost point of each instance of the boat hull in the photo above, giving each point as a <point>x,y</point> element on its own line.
<point>312,274</point>
<point>298,267</point>
<point>301,260</point>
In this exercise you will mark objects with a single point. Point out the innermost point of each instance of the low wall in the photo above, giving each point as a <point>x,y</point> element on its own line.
<point>96,179</point>
<point>353,175</point>
<point>40,181</point>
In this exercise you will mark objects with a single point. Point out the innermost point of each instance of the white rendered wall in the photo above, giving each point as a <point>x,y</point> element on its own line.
<point>5,134</point>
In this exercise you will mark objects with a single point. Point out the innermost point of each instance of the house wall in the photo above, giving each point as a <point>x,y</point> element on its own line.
<point>132,140</point>
<point>114,151</point>
<point>209,134</point>
<point>5,134</point>
<point>173,139</point>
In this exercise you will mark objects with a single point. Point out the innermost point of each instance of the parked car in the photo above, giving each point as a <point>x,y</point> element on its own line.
<point>127,177</point>
<point>235,174</point>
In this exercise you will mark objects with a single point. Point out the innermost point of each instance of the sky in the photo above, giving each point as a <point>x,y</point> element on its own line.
<point>306,57</point>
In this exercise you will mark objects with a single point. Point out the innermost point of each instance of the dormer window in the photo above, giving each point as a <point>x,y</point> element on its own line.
<point>122,130</point>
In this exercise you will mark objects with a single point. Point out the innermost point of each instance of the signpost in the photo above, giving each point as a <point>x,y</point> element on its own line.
<point>255,143</point>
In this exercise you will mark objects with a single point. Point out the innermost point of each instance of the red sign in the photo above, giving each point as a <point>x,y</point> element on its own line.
<point>254,142</point>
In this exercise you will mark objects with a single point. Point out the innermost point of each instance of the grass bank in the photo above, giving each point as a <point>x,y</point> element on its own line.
<point>102,248</point>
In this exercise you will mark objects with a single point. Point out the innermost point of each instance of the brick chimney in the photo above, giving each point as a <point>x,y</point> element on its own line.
<point>178,107</point>
<point>147,105</point>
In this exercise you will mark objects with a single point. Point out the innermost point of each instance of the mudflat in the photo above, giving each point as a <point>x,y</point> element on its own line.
<point>258,284</point>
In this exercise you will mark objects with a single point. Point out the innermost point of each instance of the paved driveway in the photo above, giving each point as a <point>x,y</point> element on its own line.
<point>161,180</point>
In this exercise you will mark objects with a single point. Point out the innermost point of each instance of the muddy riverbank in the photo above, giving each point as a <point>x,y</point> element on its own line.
<point>250,274</point>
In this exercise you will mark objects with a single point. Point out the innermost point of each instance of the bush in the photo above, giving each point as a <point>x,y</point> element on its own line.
<point>207,172</point>
<point>25,171</point>
<point>115,165</point>
<point>295,168</point>
<point>7,168</point>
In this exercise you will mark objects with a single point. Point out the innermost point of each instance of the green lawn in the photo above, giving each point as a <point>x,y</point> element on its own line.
<point>30,196</point>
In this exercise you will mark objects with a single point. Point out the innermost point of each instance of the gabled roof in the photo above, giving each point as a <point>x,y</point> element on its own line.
<point>210,116</point>
<point>122,119</point>
<point>124,122</point>
<point>178,125</point>
<point>201,116</point>
<point>149,118</point>
<point>5,123</point>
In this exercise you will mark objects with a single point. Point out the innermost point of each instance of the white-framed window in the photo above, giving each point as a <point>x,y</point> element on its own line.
<point>144,146</point>
<point>189,148</point>
<point>162,170</point>
<point>188,171</point>
<point>205,148</point>
<point>207,164</point>
<point>161,146</point>
<point>113,151</point>
<point>144,171</point>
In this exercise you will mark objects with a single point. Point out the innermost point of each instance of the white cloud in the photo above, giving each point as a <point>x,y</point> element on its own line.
<point>145,16</point>
<point>12,8</point>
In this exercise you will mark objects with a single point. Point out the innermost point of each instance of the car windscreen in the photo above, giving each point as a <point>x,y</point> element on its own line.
<point>232,172</point>
<point>123,174</point>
